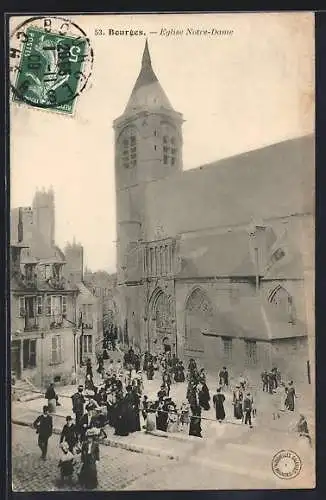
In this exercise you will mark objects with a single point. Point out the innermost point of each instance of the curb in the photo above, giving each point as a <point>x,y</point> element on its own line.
<point>119,444</point>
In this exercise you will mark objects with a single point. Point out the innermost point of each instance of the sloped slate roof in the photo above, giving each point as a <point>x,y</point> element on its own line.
<point>85,294</point>
<point>290,263</point>
<point>270,182</point>
<point>287,268</point>
<point>226,254</point>
<point>147,91</point>
<point>252,319</point>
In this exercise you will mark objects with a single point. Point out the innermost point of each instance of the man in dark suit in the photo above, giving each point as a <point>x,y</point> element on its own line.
<point>44,426</point>
<point>69,434</point>
<point>78,402</point>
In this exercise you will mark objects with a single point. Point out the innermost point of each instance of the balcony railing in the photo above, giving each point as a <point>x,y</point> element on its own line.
<point>31,324</point>
<point>56,283</point>
<point>56,321</point>
<point>29,281</point>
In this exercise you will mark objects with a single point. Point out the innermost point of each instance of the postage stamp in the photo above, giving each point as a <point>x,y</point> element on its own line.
<point>286,464</point>
<point>50,63</point>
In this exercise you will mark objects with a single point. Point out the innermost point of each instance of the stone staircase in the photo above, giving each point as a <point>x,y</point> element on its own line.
<point>24,390</point>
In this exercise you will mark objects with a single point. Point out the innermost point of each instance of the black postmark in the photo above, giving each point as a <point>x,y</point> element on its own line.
<point>51,61</point>
<point>286,464</point>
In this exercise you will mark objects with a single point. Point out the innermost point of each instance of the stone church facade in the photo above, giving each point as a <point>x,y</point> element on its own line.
<point>212,261</point>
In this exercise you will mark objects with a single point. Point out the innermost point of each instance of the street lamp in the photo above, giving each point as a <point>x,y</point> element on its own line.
<point>74,332</point>
<point>42,354</point>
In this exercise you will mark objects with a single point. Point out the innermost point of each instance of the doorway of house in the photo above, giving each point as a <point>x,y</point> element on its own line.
<point>15,358</point>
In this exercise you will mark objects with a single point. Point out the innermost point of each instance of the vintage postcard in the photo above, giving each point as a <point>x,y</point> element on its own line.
<point>162,251</point>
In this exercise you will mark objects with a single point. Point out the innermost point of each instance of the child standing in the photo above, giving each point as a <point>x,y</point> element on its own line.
<point>66,462</point>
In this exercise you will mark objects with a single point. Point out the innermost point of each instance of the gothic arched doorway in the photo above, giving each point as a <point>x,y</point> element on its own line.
<point>161,321</point>
<point>198,316</point>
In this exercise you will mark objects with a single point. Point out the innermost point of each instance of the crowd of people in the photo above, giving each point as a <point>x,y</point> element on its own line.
<point>119,401</point>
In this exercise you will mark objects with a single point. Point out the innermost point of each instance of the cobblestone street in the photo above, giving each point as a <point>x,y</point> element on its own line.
<point>226,457</point>
<point>117,468</point>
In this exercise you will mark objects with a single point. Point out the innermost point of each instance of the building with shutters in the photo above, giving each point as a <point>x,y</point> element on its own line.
<point>215,262</point>
<point>45,338</point>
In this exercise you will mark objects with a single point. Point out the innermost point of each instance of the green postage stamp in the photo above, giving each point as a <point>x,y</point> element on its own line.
<point>52,66</point>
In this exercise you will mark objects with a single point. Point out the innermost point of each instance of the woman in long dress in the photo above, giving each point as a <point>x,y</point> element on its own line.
<point>162,417</point>
<point>218,401</point>
<point>204,396</point>
<point>89,457</point>
<point>132,402</point>
<point>195,422</point>
<point>120,416</point>
<point>290,397</point>
<point>237,403</point>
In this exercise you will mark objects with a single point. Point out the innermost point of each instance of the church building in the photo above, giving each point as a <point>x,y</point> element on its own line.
<point>212,262</point>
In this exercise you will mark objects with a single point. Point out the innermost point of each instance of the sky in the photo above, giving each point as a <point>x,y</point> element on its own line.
<point>237,93</point>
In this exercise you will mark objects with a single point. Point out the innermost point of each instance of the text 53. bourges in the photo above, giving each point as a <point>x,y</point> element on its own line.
<point>112,32</point>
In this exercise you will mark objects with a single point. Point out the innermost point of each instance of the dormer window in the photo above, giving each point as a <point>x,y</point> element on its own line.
<point>46,271</point>
<point>128,149</point>
<point>29,272</point>
<point>57,271</point>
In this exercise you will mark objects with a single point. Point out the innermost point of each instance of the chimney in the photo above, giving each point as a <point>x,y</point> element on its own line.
<point>20,225</point>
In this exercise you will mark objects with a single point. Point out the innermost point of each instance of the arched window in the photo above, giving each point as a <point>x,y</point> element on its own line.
<point>170,150</point>
<point>283,303</point>
<point>199,313</point>
<point>128,147</point>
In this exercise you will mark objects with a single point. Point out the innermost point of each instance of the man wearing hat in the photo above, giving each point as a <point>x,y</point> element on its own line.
<point>87,421</point>
<point>78,402</point>
<point>247,409</point>
<point>44,425</point>
<point>69,434</point>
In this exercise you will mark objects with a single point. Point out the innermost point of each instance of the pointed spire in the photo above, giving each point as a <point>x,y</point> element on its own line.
<point>147,89</point>
<point>146,59</point>
<point>146,75</point>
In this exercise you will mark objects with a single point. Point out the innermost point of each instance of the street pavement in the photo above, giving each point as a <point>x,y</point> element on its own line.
<point>117,468</point>
<point>229,455</point>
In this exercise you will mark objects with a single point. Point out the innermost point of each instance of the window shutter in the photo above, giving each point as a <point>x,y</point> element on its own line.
<point>32,353</point>
<point>59,349</point>
<point>64,304</point>
<point>25,353</point>
<point>54,350</point>
<point>48,305</point>
<point>21,311</point>
<point>39,305</point>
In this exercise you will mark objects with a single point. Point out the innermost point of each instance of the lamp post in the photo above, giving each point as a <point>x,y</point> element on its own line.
<point>74,332</point>
<point>81,326</point>
<point>42,354</point>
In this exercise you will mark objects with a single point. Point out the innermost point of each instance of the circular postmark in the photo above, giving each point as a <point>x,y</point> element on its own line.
<point>51,61</point>
<point>286,464</point>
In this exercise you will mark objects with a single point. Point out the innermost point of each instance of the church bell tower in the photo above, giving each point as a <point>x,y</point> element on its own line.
<point>148,147</point>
